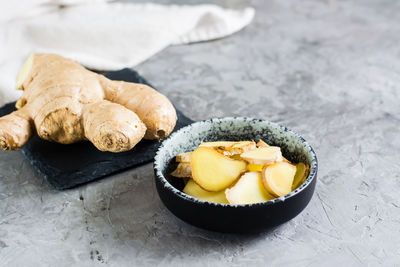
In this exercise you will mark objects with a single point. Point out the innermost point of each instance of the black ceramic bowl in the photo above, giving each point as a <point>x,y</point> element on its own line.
<point>248,218</point>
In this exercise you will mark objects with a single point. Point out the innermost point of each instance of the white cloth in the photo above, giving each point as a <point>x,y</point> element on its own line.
<point>103,35</point>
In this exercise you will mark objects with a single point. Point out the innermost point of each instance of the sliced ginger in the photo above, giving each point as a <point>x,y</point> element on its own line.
<point>220,144</point>
<point>278,178</point>
<point>230,148</point>
<point>183,157</point>
<point>263,155</point>
<point>306,173</point>
<point>183,170</point>
<point>236,157</point>
<point>301,175</point>
<point>261,143</point>
<point>249,189</point>
<point>214,171</point>
<point>194,190</point>
<point>215,167</point>
<point>239,148</point>
<point>254,167</point>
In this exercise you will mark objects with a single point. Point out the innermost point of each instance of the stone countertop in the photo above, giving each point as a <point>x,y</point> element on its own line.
<point>327,69</point>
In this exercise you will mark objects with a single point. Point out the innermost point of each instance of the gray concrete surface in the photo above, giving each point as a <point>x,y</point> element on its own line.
<point>327,69</point>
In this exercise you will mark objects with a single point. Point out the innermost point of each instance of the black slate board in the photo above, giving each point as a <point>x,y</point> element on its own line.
<point>66,166</point>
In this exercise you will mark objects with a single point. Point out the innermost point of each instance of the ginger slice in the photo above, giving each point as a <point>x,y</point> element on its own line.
<point>236,157</point>
<point>214,171</point>
<point>183,170</point>
<point>307,172</point>
<point>301,175</point>
<point>227,145</point>
<point>254,167</point>
<point>229,148</point>
<point>183,157</point>
<point>239,148</point>
<point>218,145</point>
<point>193,189</point>
<point>263,155</point>
<point>249,189</point>
<point>278,178</point>
<point>261,143</point>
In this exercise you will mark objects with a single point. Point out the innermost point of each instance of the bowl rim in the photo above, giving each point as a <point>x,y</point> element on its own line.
<point>311,176</point>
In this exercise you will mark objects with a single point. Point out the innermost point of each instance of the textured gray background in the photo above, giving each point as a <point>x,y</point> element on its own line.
<point>327,69</point>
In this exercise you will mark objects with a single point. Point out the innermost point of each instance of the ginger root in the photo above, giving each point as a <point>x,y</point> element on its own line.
<point>67,103</point>
<point>15,130</point>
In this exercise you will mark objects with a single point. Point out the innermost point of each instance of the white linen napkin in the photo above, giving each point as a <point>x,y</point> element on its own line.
<point>103,35</point>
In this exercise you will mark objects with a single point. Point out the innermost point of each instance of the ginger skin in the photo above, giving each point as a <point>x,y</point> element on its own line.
<point>67,103</point>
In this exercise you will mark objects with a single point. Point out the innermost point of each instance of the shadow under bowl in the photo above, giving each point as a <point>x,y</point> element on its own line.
<point>248,218</point>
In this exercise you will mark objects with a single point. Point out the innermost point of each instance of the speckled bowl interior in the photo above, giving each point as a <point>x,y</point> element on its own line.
<point>293,147</point>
